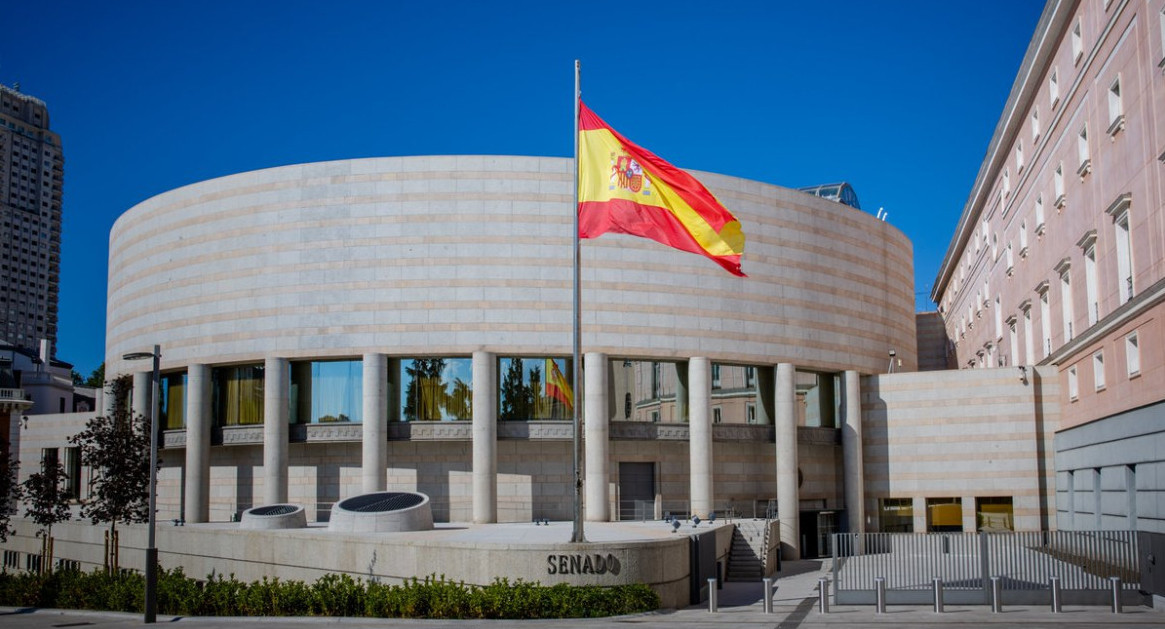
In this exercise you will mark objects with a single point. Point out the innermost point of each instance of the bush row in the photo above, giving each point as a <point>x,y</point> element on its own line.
<point>330,595</point>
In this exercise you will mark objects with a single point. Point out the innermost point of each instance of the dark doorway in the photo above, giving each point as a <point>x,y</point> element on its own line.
<point>817,529</point>
<point>636,491</point>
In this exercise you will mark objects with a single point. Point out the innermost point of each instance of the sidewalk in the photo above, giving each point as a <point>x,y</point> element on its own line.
<point>740,605</point>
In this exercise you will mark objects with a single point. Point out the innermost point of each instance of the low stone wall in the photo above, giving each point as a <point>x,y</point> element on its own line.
<point>470,554</point>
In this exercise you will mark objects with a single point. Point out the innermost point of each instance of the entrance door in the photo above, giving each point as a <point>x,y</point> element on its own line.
<point>817,529</point>
<point>636,491</point>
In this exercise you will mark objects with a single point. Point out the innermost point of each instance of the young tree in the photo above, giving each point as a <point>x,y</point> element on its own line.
<point>97,378</point>
<point>46,504</point>
<point>425,394</point>
<point>9,489</point>
<point>116,448</point>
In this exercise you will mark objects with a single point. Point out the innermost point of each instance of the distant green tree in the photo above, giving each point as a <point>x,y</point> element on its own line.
<point>45,504</point>
<point>78,379</point>
<point>460,402</point>
<point>97,378</point>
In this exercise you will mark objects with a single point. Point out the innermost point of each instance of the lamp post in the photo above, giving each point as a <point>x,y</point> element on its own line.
<point>151,614</point>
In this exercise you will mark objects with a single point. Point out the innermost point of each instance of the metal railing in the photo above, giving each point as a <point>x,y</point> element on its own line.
<point>1084,562</point>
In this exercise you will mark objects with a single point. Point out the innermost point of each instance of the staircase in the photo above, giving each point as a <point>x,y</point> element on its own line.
<point>744,557</point>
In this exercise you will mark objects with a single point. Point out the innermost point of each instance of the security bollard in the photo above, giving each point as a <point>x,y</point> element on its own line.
<point>996,596</point>
<point>1056,609</point>
<point>712,606</point>
<point>880,594</point>
<point>823,594</point>
<point>768,595</point>
<point>938,595</point>
<point>1116,594</point>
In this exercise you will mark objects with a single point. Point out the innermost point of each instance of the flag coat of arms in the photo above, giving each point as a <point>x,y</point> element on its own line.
<point>557,386</point>
<point>625,189</point>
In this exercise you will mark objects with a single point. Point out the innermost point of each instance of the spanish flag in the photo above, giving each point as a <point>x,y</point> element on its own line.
<point>557,386</point>
<point>624,188</point>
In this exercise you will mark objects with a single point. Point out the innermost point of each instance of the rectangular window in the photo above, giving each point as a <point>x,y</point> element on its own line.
<point>715,376</point>
<point>1090,284</point>
<point>944,515</point>
<point>1073,384</point>
<point>1066,303</point>
<point>1082,152</point>
<point>332,391</point>
<point>1010,255</point>
<point>750,412</point>
<point>172,392</point>
<point>1133,355</point>
<point>1058,186</point>
<point>1006,181</point>
<point>994,514</point>
<point>749,376</point>
<point>1077,42</point>
<point>1040,215</point>
<point>1035,124</point>
<point>237,394</point>
<point>529,389</point>
<point>1023,239</point>
<point>1013,341</point>
<point>1019,156</point>
<point>998,318</point>
<point>896,515</point>
<point>1046,323</point>
<point>1116,112</point>
<point>1054,88</point>
<point>72,473</point>
<point>716,417</point>
<point>1124,264</point>
<point>1098,370</point>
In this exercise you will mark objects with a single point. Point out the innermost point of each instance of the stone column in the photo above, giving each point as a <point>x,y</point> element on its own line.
<point>788,493</point>
<point>596,417</point>
<point>199,419</point>
<point>485,438</point>
<point>700,435</point>
<point>919,504</point>
<point>276,416</point>
<point>142,382</point>
<point>851,453</point>
<point>375,417</point>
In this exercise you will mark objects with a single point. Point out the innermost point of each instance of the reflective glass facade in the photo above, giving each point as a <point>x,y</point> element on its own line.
<point>327,391</point>
<point>529,388</point>
<point>436,389</point>
<point>237,395</point>
<point>172,395</point>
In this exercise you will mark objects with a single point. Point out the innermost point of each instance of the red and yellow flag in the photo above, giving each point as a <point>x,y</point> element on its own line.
<point>556,385</point>
<point>625,189</point>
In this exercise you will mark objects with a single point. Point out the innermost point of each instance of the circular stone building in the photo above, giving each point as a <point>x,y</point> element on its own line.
<point>398,324</point>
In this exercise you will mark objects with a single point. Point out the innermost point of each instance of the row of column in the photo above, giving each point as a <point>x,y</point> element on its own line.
<point>694,390</point>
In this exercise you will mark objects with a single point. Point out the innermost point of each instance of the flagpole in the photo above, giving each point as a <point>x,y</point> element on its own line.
<point>577,535</point>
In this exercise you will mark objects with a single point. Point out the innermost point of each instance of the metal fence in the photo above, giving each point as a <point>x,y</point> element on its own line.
<point>1084,562</point>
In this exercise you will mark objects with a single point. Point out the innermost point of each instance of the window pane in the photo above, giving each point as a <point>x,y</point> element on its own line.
<point>897,515</point>
<point>436,389</point>
<point>535,388</point>
<point>944,515</point>
<point>238,395</point>
<point>327,391</point>
<point>172,394</point>
<point>994,514</point>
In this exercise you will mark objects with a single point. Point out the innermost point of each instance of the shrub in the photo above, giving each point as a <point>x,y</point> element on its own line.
<point>330,595</point>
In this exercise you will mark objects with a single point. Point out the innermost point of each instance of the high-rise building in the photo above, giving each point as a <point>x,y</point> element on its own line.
<point>32,168</point>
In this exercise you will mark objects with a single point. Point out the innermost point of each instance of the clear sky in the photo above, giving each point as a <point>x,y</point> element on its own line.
<point>898,98</point>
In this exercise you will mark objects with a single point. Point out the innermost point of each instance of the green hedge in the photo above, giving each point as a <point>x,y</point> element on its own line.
<point>331,595</point>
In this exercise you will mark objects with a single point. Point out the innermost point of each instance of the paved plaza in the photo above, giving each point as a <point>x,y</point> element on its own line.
<point>794,606</point>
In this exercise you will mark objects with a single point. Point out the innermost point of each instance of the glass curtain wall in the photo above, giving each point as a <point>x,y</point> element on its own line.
<point>535,388</point>
<point>172,394</point>
<point>238,395</point>
<point>436,389</point>
<point>327,391</point>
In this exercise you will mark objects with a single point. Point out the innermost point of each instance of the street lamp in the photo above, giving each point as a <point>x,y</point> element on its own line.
<point>151,549</point>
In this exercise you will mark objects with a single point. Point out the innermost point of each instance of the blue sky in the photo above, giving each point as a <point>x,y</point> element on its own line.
<point>898,98</point>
